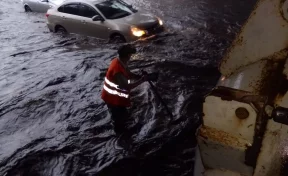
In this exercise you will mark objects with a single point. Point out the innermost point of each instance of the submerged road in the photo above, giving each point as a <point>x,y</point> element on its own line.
<point>52,120</point>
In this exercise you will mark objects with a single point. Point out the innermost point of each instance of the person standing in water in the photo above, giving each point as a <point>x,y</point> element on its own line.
<point>117,87</point>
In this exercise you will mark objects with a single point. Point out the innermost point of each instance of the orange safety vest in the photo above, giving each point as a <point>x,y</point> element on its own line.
<point>111,92</point>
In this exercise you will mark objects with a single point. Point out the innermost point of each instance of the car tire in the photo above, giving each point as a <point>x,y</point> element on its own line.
<point>27,8</point>
<point>117,38</point>
<point>60,29</point>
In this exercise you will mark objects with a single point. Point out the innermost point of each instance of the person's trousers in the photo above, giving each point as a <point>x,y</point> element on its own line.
<point>121,118</point>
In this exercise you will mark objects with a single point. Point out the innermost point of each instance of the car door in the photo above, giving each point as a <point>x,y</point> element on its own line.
<point>89,27</point>
<point>69,17</point>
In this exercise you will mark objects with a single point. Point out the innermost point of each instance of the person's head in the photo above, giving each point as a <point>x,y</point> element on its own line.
<point>125,52</point>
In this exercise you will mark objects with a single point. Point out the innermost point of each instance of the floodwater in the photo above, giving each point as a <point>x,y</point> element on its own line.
<point>52,120</point>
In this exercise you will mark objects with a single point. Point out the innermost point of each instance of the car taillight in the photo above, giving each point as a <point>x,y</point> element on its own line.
<point>47,15</point>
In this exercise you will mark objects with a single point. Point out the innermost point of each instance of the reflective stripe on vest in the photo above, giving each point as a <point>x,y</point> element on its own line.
<point>115,85</point>
<point>115,92</point>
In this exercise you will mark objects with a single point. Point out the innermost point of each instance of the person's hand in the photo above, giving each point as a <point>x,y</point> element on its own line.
<point>144,78</point>
<point>144,72</point>
<point>149,76</point>
<point>152,77</point>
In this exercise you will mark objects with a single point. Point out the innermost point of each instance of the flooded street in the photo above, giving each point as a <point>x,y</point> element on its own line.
<point>52,119</point>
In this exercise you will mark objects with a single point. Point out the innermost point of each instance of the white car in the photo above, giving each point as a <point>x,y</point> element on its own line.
<point>40,6</point>
<point>114,20</point>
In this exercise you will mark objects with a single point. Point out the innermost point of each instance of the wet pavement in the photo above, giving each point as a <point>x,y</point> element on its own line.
<point>52,120</point>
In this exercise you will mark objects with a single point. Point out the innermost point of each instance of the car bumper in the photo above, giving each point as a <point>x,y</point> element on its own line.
<point>154,31</point>
<point>50,27</point>
<point>149,34</point>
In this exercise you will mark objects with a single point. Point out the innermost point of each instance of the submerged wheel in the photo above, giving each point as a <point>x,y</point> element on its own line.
<point>117,38</point>
<point>60,29</point>
<point>27,8</point>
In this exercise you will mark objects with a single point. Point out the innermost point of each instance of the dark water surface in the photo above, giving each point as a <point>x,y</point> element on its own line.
<point>52,120</point>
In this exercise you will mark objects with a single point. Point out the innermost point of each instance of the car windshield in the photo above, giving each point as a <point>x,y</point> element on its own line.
<point>114,9</point>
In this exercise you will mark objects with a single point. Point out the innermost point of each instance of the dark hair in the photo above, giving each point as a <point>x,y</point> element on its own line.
<point>125,50</point>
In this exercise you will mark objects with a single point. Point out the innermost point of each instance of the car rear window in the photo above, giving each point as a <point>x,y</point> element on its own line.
<point>70,9</point>
<point>61,9</point>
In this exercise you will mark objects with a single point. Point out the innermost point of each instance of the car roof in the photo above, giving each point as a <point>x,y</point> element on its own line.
<point>88,1</point>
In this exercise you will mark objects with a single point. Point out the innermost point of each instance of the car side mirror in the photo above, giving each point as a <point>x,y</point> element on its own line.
<point>98,18</point>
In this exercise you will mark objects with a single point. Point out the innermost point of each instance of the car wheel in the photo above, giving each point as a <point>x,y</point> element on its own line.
<point>27,8</point>
<point>60,29</point>
<point>117,38</point>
